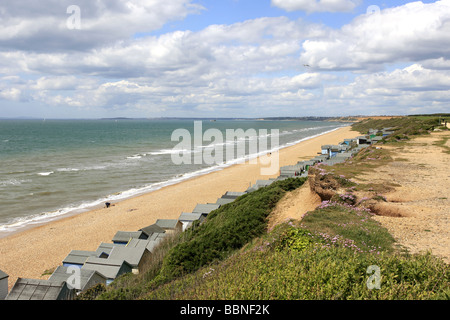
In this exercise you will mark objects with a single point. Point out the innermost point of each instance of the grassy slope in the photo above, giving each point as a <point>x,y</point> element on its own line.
<point>325,256</point>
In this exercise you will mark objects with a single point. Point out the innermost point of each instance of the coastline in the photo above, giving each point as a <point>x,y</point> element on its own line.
<point>29,253</point>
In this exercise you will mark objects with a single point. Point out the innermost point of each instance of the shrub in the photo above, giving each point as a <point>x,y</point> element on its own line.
<point>294,239</point>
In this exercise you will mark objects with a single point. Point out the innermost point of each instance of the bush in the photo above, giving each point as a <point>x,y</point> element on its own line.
<point>294,239</point>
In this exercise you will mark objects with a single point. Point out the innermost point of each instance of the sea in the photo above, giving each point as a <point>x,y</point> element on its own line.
<point>53,168</point>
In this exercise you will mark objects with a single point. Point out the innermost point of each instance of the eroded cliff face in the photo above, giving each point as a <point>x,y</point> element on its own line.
<point>324,185</point>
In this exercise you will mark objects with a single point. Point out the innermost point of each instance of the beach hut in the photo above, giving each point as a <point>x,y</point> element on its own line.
<point>362,140</point>
<point>77,258</point>
<point>232,194</point>
<point>344,155</point>
<point>104,249</point>
<point>3,285</point>
<point>187,218</point>
<point>293,170</point>
<point>136,257</point>
<point>309,164</point>
<point>122,237</point>
<point>373,133</point>
<point>325,149</point>
<point>151,229</point>
<point>263,183</point>
<point>150,245</point>
<point>348,141</point>
<point>109,268</point>
<point>80,281</point>
<point>170,225</point>
<point>157,236</point>
<point>320,158</point>
<point>332,150</point>
<point>222,201</point>
<point>376,139</point>
<point>259,184</point>
<point>33,289</point>
<point>206,208</point>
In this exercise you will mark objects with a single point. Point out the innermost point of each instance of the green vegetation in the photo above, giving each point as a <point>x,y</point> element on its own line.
<point>327,255</point>
<point>225,230</point>
<point>292,262</point>
<point>331,274</point>
<point>404,128</point>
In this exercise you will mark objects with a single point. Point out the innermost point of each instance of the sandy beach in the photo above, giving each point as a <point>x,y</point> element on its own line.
<point>29,253</point>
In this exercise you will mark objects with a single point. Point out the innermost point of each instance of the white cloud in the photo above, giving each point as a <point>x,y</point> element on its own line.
<point>254,67</point>
<point>12,94</point>
<point>413,32</point>
<point>317,5</point>
<point>395,92</point>
<point>26,25</point>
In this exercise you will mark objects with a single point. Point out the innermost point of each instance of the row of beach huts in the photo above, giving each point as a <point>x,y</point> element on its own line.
<point>129,251</point>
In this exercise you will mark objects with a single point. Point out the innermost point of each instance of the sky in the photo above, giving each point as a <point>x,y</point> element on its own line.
<point>223,58</point>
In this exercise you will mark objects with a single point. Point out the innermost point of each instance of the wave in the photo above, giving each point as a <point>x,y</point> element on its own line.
<point>169,151</point>
<point>136,156</point>
<point>67,169</point>
<point>46,173</point>
<point>13,182</point>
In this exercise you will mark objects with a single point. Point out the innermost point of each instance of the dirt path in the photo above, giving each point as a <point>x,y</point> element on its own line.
<point>422,171</point>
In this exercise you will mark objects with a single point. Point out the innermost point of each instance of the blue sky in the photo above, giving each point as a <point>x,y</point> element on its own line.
<point>222,58</point>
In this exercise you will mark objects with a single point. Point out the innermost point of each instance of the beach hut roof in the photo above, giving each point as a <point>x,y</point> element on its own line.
<point>190,216</point>
<point>140,243</point>
<point>344,155</point>
<point>233,194</point>
<point>156,236</point>
<point>263,182</point>
<point>3,275</point>
<point>104,248</point>
<point>168,223</point>
<point>110,268</point>
<point>34,289</point>
<point>125,236</point>
<point>63,274</point>
<point>206,208</point>
<point>223,201</point>
<point>78,256</point>
<point>131,255</point>
<point>154,228</point>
